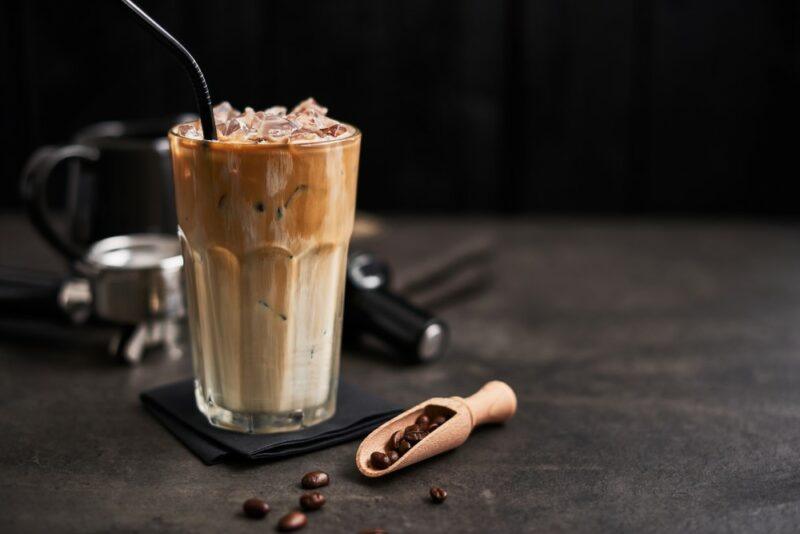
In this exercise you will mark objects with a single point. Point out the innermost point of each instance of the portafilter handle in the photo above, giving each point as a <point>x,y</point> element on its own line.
<point>372,308</point>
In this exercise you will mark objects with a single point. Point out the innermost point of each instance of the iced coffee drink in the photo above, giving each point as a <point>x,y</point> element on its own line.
<point>265,215</point>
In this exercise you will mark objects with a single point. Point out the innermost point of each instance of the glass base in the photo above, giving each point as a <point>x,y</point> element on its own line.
<point>263,423</point>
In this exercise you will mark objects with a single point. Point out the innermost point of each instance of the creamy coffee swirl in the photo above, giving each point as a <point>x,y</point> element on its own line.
<point>265,220</point>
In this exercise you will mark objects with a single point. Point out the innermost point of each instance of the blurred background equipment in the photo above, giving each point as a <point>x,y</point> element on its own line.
<point>512,106</point>
<point>371,308</point>
<point>119,182</point>
<point>133,283</point>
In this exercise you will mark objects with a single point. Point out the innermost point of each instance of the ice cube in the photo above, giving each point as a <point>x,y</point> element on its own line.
<point>275,129</point>
<point>306,123</point>
<point>224,112</point>
<point>189,129</point>
<point>250,117</point>
<point>334,131</point>
<point>276,111</point>
<point>311,119</point>
<point>227,129</point>
<point>310,103</point>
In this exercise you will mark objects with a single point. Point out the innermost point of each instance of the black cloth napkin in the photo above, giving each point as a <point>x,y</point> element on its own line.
<point>357,413</point>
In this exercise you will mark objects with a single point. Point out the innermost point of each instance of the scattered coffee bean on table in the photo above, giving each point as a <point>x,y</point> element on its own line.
<point>315,479</point>
<point>292,521</point>
<point>312,501</point>
<point>438,495</point>
<point>373,531</point>
<point>401,441</point>
<point>255,508</point>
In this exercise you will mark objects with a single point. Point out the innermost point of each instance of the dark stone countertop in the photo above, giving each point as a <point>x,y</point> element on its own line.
<point>657,365</point>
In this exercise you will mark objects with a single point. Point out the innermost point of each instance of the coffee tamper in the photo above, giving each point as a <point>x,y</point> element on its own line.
<point>371,308</point>
<point>135,282</point>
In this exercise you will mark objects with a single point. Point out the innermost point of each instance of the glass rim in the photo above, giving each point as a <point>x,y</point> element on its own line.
<point>239,145</point>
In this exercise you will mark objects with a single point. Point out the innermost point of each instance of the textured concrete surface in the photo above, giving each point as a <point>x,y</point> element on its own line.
<point>657,365</point>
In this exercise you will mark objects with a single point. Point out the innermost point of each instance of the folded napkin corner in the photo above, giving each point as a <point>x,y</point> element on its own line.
<point>358,412</point>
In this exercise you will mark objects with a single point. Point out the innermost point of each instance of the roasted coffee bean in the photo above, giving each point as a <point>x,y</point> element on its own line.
<point>404,447</point>
<point>439,420</point>
<point>292,521</point>
<point>393,456</point>
<point>411,428</point>
<point>433,427</point>
<point>438,495</point>
<point>373,531</point>
<point>315,479</point>
<point>255,508</point>
<point>379,460</point>
<point>423,421</point>
<point>394,442</point>
<point>312,501</point>
<point>416,436</point>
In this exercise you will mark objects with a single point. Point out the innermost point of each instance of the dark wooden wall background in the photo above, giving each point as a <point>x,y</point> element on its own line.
<point>466,105</point>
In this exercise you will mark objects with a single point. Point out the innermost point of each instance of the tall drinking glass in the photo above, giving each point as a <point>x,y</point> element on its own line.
<point>265,230</point>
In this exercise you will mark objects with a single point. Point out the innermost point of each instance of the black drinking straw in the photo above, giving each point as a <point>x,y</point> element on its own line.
<point>201,93</point>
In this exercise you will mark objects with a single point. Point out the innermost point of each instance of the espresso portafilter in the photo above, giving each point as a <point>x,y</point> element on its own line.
<point>372,309</point>
<point>135,283</point>
<point>132,283</point>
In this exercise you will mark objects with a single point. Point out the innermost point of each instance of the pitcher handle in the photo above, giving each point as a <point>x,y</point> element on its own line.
<point>35,177</point>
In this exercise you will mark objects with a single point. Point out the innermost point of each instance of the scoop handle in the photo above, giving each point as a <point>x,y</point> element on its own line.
<point>495,402</point>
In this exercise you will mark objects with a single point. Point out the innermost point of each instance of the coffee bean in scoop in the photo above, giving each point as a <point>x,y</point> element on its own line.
<point>292,521</point>
<point>415,436</point>
<point>432,427</point>
<point>312,501</point>
<point>380,460</point>
<point>393,456</point>
<point>394,441</point>
<point>315,479</point>
<point>439,420</point>
<point>423,421</point>
<point>412,428</point>
<point>438,495</point>
<point>404,447</point>
<point>255,508</point>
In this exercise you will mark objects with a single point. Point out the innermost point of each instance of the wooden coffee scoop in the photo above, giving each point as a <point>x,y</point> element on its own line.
<point>495,402</point>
